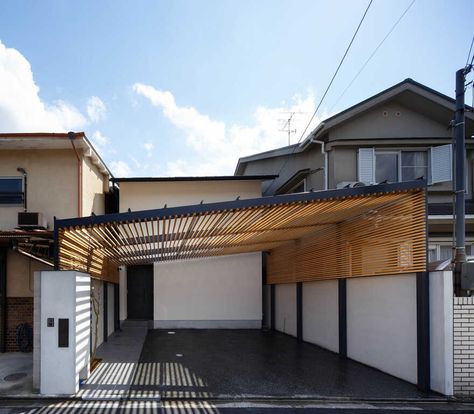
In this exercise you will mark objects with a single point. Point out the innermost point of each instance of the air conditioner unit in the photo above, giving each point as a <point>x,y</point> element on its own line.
<point>350,184</point>
<point>27,220</point>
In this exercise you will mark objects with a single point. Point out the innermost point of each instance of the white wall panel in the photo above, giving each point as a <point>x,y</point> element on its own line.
<point>216,292</point>
<point>321,314</point>
<point>285,308</point>
<point>381,324</point>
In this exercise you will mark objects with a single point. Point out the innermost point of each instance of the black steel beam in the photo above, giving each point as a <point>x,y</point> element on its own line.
<point>272,307</point>
<point>238,204</point>
<point>116,307</point>
<point>342,303</point>
<point>299,311</point>
<point>106,311</point>
<point>423,330</point>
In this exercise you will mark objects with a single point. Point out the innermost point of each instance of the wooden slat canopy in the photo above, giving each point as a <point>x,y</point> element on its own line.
<point>364,231</point>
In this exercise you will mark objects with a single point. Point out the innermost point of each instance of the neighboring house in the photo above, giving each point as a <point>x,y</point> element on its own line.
<point>42,176</point>
<point>212,292</point>
<point>400,134</point>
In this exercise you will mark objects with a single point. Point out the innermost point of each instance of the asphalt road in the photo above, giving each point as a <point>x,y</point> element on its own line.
<point>267,407</point>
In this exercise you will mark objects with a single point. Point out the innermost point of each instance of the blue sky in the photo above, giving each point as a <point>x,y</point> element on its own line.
<point>186,87</point>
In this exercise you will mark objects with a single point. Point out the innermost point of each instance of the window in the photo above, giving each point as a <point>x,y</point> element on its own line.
<point>386,167</point>
<point>445,251</point>
<point>11,190</point>
<point>414,164</point>
<point>376,166</point>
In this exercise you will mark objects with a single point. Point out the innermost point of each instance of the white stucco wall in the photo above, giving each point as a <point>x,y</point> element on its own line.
<point>441,332</point>
<point>216,292</point>
<point>151,195</point>
<point>285,308</point>
<point>61,368</point>
<point>110,308</point>
<point>321,314</point>
<point>381,324</point>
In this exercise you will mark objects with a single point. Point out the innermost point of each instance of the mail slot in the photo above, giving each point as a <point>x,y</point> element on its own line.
<point>63,333</point>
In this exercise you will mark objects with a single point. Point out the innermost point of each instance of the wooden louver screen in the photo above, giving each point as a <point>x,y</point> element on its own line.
<point>385,241</point>
<point>366,234</point>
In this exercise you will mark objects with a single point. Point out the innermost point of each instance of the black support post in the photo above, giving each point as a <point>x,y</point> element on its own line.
<point>3,299</point>
<point>423,330</point>
<point>342,301</point>
<point>116,307</point>
<point>272,306</point>
<point>106,316</point>
<point>299,311</point>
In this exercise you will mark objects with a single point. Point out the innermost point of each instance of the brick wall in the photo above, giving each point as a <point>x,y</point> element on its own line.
<point>464,346</point>
<point>19,310</point>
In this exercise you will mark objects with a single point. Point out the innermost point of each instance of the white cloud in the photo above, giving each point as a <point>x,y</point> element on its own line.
<point>148,148</point>
<point>96,109</point>
<point>100,140</point>
<point>216,146</point>
<point>120,169</point>
<point>21,108</point>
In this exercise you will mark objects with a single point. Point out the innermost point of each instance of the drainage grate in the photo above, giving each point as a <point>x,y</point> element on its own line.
<point>15,377</point>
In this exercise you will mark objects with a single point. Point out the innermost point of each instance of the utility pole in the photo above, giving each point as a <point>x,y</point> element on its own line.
<point>460,176</point>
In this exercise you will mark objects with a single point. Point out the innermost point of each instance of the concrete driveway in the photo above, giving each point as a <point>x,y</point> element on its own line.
<point>251,363</point>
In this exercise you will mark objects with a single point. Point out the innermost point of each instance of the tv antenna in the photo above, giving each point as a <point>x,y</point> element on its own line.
<point>287,123</point>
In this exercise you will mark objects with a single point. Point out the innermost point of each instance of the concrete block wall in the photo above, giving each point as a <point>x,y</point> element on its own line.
<point>464,346</point>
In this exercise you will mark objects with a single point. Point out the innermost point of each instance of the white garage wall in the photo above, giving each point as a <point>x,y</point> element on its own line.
<point>110,308</point>
<point>381,323</point>
<point>441,332</point>
<point>285,308</point>
<point>321,314</point>
<point>217,292</point>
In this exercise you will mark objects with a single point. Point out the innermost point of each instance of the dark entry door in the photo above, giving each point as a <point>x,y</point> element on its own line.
<point>140,292</point>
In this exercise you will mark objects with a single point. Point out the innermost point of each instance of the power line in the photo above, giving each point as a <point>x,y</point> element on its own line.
<point>327,89</point>
<point>337,70</point>
<point>373,54</point>
<point>469,54</point>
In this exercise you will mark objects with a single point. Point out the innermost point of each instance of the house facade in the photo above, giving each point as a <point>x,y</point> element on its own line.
<point>42,176</point>
<point>400,134</point>
<point>212,292</point>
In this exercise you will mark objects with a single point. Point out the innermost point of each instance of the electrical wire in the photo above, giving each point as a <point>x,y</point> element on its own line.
<point>469,54</point>
<point>327,89</point>
<point>373,53</point>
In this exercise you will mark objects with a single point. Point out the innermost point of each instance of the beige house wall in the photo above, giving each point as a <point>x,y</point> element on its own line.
<point>94,184</point>
<point>52,183</point>
<point>152,195</point>
<point>20,271</point>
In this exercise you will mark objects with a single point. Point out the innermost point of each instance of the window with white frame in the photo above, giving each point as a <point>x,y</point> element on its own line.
<point>380,165</point>
<point>393,166</point>
<point>445,251</point>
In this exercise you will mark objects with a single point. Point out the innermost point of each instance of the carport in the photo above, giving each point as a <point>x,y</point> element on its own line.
<point>372,231</point>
